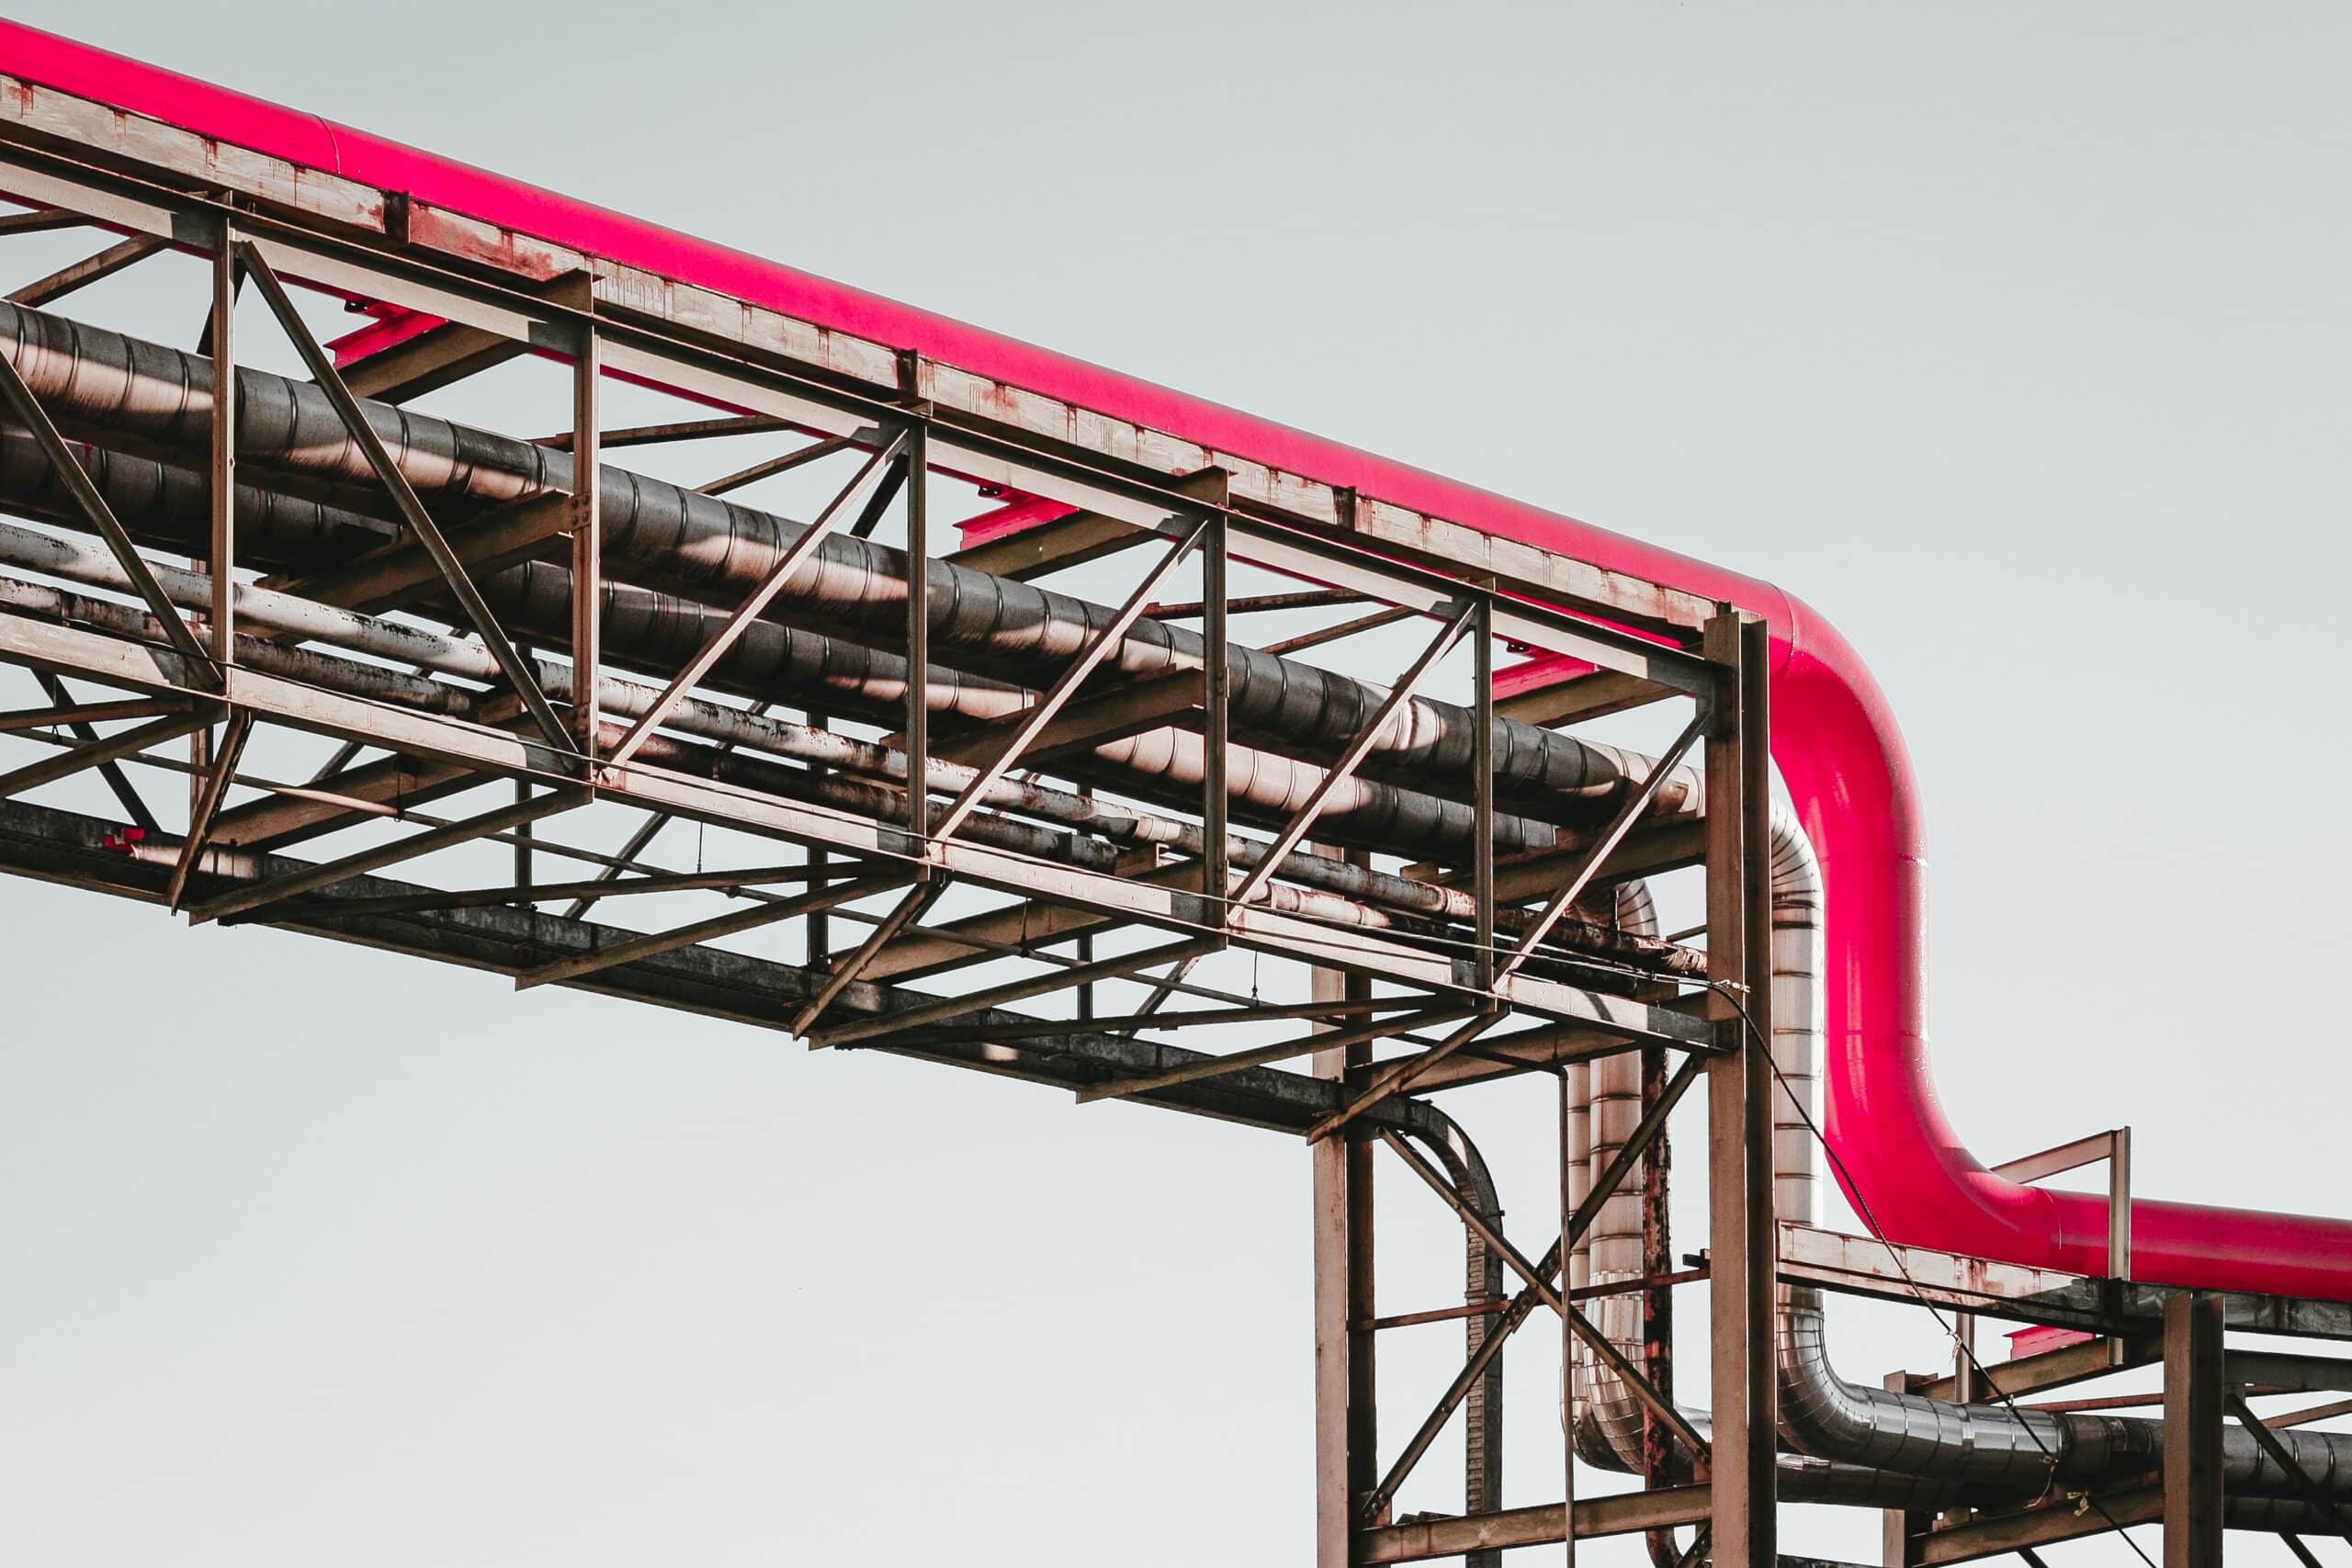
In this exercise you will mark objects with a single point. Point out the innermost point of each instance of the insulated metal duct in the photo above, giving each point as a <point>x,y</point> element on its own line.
<point>709,550</point>
<point>1882,1446</point>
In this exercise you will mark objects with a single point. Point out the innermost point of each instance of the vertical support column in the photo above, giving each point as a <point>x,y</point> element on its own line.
<point>524,873</point>
<point>1345,1460</point>
<point>587,544</point>
<point>1482,849</point>
<point>1739,1125</point>
<point>1572,1158</point>
<point>2193,1374</point>
<point>917,723</point>
<point>818,928</point>
<point>223,545</point>
<point>1658,1301</point>
<point>1216,686</point>
<point>2119,1203</point>
<point>219,342</point>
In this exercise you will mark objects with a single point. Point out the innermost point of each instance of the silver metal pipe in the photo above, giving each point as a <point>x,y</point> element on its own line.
<point>648,631</point>
<point>1878,1443</point>
<point>1335,892</point>
<point>709,550</point>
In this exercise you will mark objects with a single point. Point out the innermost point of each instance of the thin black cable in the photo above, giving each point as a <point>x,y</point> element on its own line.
<point>1861,1204</point>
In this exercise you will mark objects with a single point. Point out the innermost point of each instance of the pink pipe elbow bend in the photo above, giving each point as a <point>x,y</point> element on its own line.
<point>1835,738</point>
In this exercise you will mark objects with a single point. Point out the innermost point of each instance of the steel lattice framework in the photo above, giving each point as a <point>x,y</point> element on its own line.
<point>997,879</point>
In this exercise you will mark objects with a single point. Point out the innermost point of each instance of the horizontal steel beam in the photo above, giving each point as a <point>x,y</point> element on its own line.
<point>771,366</point>
<point>2052,1369</point>
<point>2045,1526</point>
<point>1623,1513</point>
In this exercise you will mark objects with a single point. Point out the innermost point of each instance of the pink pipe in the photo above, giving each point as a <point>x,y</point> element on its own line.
<point>1834,735</point>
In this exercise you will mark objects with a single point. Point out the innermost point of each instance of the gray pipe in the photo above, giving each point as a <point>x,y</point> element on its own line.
<point>1878,1442</point>
<point>651,631</point>
<point>700,548</point>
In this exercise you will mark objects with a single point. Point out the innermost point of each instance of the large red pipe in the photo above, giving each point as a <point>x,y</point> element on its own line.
<point>1835,738</point>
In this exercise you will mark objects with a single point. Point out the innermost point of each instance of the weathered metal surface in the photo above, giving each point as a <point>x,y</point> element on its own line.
<point>1626,1514</point>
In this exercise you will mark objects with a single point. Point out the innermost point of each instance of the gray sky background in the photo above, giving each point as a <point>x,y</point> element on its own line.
<point>2013,338</point>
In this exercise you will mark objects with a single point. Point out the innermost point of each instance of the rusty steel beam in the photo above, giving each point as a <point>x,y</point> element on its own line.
<point>1256,603</point>
<point>76,714</point>
<point>1596,695</point>
<point>2048,1525</point>
<point>768,467</point>
<point>1397,1077</point>
<point>946,1008</point>
<point>88,270</point>
<point>1373,622</point>
<point>730,924</point>
<point>584,519</point>
<point>99,752</point>
<point>676,430</point>
<point>1027,924</point>
<point>1068,541</point>
<point>911,907</point>
<point>436,357</point>
<point>221,551</point>
<point>133,803</point>
<point>1630,1513</point>
<point>443,355</point>
<point>617,885</point>
<point>2056,1369</point>
<point>1260,1056</point>
<point>205,811</point>
<point>46,220</point>
<point>1197,1018</point>
<point>245,899</point>
<point>1740,1231</point>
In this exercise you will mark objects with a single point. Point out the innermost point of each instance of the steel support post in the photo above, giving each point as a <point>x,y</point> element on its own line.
<point>224,557</point>
<point>587,544</point>
<point>818,931</point>
<point>1217,684</point>
<point>1482,848</point>
<point>2193,1406</point>
<point>1739,1122</point>
<point>1346,1459</point>
<point>1571,1107</point>
<point>1658,1300</point>
<point>88,270</point>
<point>917,721</point>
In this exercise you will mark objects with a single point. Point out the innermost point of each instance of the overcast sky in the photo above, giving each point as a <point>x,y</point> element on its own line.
<point>2012,336</point>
